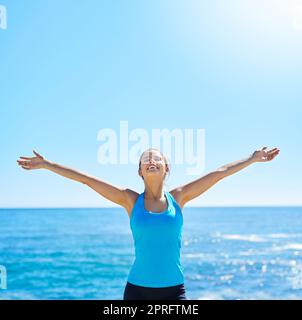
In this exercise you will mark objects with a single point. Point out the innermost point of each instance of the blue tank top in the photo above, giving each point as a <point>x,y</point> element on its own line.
<point>157,241</point>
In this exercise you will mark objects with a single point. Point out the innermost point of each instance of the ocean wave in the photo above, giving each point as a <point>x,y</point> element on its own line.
<point>193,255</point>
<point>256,237</point>
<point>283,235</point>
<point>288,246</point>
<point>210,296</point>
<point>245,237</point>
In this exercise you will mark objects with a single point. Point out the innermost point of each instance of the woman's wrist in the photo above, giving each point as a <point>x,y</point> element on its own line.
<point>252,158</point>
<point>46,164</point>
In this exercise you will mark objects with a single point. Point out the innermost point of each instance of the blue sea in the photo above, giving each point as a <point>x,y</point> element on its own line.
<point>227,253</point>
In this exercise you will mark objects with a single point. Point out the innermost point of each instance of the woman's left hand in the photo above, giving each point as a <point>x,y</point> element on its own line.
<point>263,155</point>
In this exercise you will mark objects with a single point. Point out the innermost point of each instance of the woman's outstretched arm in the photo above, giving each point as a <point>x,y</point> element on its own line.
<point>118,195</point>
<point>189,191</point>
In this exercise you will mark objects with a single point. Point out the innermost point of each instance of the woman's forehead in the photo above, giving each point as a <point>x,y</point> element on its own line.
<point>151,153</point>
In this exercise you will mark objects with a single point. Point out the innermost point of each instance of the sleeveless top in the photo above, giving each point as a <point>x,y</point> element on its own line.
<point>157,241</point>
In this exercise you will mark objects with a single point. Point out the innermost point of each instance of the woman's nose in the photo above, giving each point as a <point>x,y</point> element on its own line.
<point>152,160</point>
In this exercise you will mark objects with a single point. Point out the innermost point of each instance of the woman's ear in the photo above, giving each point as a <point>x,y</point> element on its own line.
<point>167,170</point>
<point>140,173</point>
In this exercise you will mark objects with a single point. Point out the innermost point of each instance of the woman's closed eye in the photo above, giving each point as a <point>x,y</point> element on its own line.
<point>147,159</point>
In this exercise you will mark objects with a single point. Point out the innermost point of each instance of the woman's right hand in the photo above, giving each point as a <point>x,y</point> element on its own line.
<point>37,162</point>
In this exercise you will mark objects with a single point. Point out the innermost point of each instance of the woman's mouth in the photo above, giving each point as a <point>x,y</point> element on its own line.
<point>152,167</point>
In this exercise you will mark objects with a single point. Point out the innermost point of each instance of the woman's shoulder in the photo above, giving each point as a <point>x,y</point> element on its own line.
<point>176,196</point>
<point>132,197</point>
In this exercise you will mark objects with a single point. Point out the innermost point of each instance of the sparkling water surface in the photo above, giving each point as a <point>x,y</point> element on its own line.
<point>227,253</point>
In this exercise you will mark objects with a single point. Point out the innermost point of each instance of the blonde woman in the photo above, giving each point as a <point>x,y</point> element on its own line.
<point>155,215</point>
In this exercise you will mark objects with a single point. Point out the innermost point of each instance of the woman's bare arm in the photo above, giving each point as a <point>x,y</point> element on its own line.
<point>187,192</point>
<point>116,194</point>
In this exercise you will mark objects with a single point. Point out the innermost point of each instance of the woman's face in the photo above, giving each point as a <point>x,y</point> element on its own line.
<point>153,165</point>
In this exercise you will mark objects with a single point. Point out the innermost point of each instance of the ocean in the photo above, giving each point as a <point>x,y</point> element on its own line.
<point>77,253</point>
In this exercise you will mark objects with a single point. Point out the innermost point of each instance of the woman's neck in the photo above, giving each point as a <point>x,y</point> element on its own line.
<point>154,191</point>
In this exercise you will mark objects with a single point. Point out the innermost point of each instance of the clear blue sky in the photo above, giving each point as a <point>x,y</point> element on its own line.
<point>69,69</point>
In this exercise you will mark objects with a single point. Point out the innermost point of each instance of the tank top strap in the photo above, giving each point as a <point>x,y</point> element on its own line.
<point>140,200</point>
<point>172,200</point>
<point>139,204</point>
<point>169,195</point>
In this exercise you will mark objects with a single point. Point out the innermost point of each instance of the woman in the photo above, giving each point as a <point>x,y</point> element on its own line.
<point>155,217</point>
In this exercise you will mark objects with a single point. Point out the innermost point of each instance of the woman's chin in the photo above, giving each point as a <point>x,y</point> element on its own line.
<point>154,174</point>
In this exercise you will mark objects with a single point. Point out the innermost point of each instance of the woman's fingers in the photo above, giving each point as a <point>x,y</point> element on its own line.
<point>272,152</point>
<point>271,156</point>
<point>264,149</point>
<point>37,154</point>
<point>27,158</point>
<point>24,162</point>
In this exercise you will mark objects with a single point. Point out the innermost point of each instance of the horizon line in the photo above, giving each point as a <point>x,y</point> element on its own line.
<point>189,207</point>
